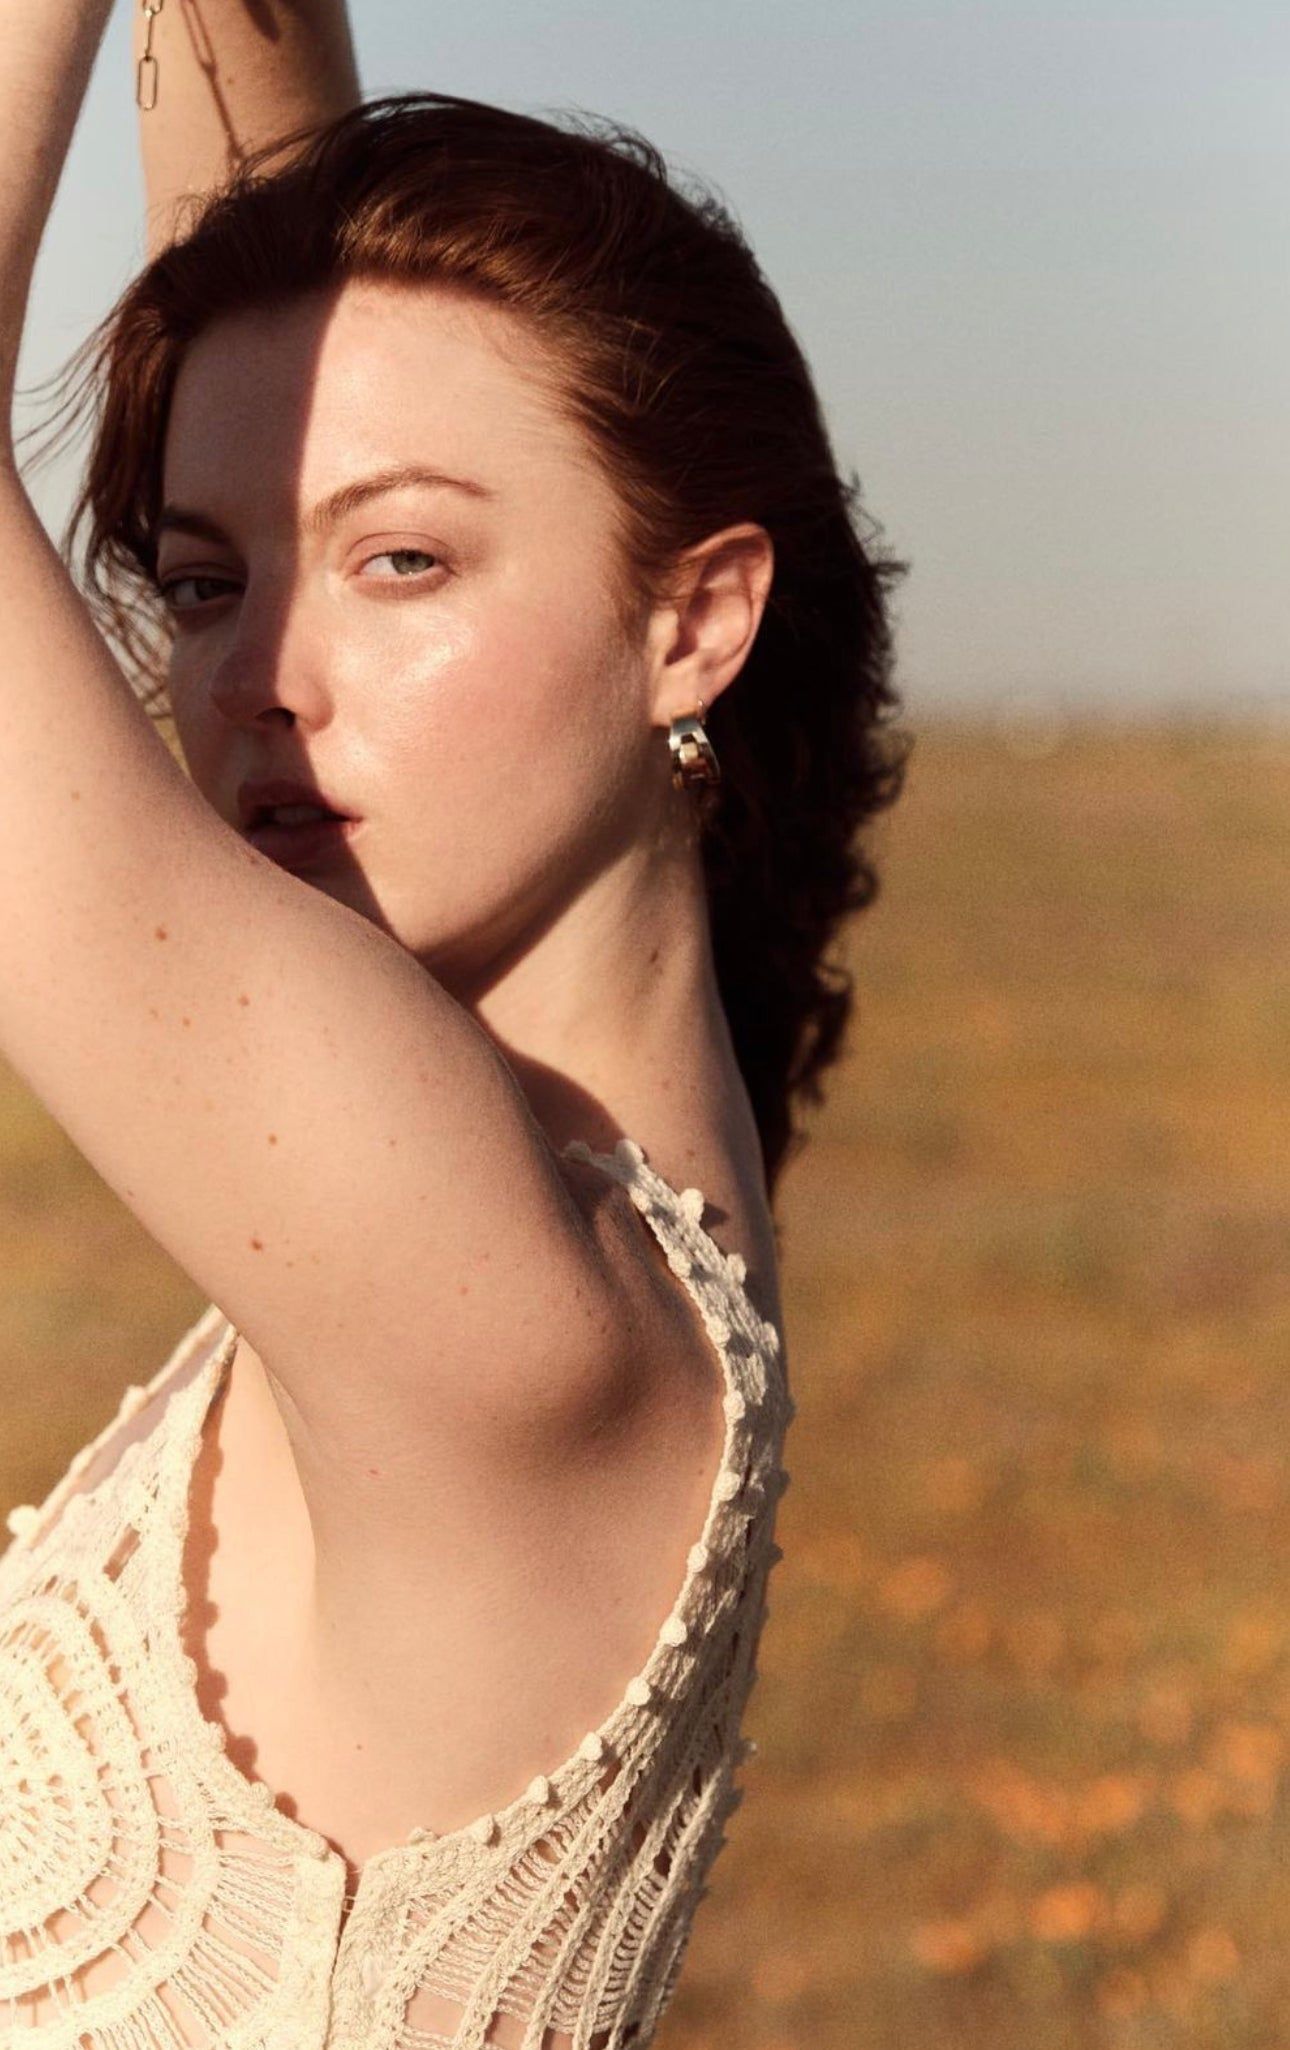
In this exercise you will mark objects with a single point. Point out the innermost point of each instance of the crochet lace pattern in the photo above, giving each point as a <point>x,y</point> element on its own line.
<point>152,1895</point>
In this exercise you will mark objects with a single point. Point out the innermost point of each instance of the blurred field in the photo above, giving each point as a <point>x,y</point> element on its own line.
<point>1024,1706</point>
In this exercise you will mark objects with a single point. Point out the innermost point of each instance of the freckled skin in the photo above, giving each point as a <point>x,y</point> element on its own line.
<point>508,634</point>
<point>512,634</point>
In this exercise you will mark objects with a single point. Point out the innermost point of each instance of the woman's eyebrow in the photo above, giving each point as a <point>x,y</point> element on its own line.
<point>345,499</point>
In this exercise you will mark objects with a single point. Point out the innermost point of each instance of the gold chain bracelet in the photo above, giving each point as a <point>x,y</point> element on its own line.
<point>145,80</point>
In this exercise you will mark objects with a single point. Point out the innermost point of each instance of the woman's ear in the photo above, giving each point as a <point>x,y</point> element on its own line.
<point>701,637</point>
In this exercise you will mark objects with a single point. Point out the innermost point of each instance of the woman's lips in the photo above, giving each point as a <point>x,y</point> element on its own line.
<point>303,845</point>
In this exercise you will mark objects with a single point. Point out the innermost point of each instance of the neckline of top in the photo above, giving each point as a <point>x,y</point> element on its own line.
<point>753,1384</point>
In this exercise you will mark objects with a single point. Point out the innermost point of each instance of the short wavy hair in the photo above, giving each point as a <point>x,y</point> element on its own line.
<point>674,356</point>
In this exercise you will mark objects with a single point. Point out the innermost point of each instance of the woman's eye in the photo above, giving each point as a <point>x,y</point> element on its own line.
<point>187,593</point>
<point>408,562</point>
<point>170,591</point>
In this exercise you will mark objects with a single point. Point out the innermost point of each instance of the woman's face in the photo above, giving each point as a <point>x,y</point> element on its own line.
<point>445,663</point>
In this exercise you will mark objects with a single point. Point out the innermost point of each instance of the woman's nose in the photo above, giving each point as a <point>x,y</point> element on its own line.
<point>271,666</point>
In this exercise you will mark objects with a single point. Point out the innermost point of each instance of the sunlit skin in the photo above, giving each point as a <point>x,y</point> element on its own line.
<point>451,668</point>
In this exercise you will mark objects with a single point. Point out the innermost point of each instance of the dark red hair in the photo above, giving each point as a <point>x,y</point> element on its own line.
<point>672,353</point>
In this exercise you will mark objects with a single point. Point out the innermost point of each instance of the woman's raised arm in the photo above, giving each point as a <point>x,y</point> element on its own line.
<point>229,75</point>
<point>297,1110</point>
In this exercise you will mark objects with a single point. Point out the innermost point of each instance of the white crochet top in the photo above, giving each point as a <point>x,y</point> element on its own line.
<point>153,1895</point>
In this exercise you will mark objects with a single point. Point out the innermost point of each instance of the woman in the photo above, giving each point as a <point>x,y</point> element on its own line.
<point>375,1677</point>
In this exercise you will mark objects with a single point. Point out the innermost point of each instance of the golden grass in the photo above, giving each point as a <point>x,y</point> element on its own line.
<point>1024,1706</point>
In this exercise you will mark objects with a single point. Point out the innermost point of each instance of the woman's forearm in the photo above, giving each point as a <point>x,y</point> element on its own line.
<point>232,74</point>
<point>47,52</point>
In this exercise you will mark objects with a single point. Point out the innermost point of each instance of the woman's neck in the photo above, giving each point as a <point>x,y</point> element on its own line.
<point>612,1019</point>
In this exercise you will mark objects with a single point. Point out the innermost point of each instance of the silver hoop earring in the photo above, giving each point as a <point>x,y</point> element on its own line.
<point>694,764</point>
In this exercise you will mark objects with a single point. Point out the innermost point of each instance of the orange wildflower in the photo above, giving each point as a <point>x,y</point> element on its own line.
<point>1021,1806</point>
<point>1166,1714</point>
<point>1254,1643</point>
<point>1196,1795</point>
<point>1068,1913</point>
<point>965,1631</point>
<point>916,1587</point>
<point>1247,1750</point>
<point>947,1946</point>
<point>1213,1956</point>
<point>1112,1802</point>
<point>1121,1991</point>
<point>954,1484</point>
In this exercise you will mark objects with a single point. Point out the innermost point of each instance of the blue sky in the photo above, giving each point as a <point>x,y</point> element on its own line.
<point>1038,257</point>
